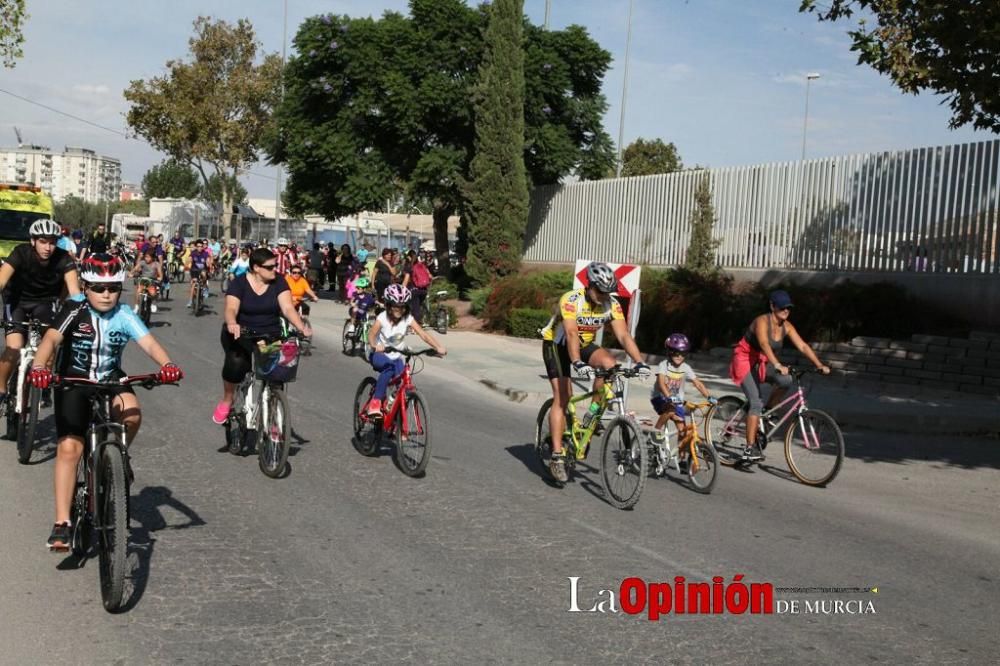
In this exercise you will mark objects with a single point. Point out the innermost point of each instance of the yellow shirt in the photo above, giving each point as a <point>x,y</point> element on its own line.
<point>298,287</point>
<point>589,318</point>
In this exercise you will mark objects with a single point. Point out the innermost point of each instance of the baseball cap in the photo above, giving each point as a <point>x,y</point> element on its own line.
<point>780,299</point>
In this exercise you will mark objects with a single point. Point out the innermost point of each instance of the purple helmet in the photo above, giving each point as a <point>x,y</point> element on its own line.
<point>397,294</point>
<point>677,342</point>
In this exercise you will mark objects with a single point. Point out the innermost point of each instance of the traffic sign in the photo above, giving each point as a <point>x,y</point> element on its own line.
<point>627,274</point>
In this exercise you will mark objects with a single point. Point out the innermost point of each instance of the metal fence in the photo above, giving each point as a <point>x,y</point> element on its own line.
<point>926,209</point>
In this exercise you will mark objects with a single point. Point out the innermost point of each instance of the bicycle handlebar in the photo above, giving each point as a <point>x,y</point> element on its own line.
<point>409,353</point>
<point>147,381</point>
<point>627,373</point>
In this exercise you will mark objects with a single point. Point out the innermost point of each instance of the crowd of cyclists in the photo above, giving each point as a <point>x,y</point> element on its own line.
<point>73,288</point>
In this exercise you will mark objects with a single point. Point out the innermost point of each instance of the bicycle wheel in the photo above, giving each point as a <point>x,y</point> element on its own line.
<point>305,345</point>
<point>814,448</point>
<point>196,302</point>
<point>543,437</point>
<point>235,433</point>
<point>112,505</point>
<point>367,433</point>
<point>274,437</point>
<point>413,446</point>
<point>726,426</point>
<point>82,526</point>
<point>27,421</point>
<point>347,338</point>
<point>441,324</point>
<point>703,470</point>
<point>145,311</point>
<point>624,460</point>
<point>8,407</point>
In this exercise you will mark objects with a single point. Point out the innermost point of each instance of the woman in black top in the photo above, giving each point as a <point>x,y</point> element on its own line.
<point>385,274</point>
<point>255,300</point>
<point>340,267</point>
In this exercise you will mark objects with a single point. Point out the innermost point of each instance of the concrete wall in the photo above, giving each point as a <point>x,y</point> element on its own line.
<point>972,298</point>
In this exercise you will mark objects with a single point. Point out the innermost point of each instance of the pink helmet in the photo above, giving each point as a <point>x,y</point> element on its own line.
<point>397,294</point>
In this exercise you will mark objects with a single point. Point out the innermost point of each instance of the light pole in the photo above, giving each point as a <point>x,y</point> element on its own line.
<point>277,187</point>
<point>548,7</point>
<point>805,122</point>
<point>621,119</point>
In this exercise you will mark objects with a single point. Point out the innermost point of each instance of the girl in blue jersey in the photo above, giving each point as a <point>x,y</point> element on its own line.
<point>91,335</point>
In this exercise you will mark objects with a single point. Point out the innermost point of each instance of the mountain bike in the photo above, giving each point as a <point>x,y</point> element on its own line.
<point>100,511</point>
<point>624,455</point>
<point>177,269</point>
<point>403,416</point>
<point>814,444</point>
<point>22,397</point>
<point>437,316</point>
<point>355,334</point>
<point>146,305</point>
<point>261,404</point>
<point>200,292</point>
<point>690,455</point>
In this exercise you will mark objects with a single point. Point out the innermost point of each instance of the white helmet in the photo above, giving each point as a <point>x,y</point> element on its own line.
<point>283,241</point>
<point>42,228</point>
<point>602,277</point>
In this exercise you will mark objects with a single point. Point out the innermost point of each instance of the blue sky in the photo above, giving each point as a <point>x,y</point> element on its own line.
<point>722,79</point>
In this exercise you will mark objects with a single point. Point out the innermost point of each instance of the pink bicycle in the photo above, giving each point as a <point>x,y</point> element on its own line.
<point>814,445</point>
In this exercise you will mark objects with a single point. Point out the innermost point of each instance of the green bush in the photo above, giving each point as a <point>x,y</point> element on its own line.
<point>514,291</point>
<point>442,283</point>
<point>551,283</point>
<point>525,322</point>
<point>478,298</point>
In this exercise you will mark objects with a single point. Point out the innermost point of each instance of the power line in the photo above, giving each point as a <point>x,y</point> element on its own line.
<point>103,127</point>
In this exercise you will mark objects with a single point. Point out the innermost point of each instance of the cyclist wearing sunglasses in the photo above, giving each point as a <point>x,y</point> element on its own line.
<point>755,361</point>
<point>256,301</point>
<point>96,331</point>
<point>299,286</point>
<point>32,279</point>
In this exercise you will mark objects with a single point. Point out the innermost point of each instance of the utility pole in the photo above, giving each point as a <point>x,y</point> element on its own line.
<point>621,119</point>
<point>805,120</point>
<point>277,186</point>
<point>548,8</point>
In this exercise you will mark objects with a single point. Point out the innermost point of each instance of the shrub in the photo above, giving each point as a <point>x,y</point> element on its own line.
<point>680,300</point>
<point>525,322</point>
<point>478,298</point>
<point>514,291</point>
<point>442,283</point>
<point>551,283</point>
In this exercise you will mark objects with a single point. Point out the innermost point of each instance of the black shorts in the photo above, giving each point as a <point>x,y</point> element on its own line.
<point>17,315</point>
<point>556,357</point>
<point>73,409</point>
<point>195,273</point>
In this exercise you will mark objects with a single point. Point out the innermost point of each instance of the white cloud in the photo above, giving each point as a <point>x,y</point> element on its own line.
<point>91,89</point>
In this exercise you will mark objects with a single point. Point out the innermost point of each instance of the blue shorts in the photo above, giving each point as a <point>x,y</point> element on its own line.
<point>663,405</point>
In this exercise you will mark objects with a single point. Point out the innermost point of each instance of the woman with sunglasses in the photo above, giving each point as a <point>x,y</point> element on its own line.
<point>255,301</point>
<point>755,362</point>
<point>97,327</point>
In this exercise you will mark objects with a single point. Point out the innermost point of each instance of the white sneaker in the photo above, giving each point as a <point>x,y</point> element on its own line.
<point>135,309</point>
<point>152,308</point>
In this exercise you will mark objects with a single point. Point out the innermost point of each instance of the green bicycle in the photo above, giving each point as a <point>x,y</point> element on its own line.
<point>624,457</point>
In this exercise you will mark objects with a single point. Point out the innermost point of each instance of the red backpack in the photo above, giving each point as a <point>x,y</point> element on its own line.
<point>421,276</point>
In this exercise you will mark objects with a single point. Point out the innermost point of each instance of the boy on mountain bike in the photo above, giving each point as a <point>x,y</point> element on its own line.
<point>667,396</point>
<point>389,330</point>
<point>362,301</point>
<point>96,331</point>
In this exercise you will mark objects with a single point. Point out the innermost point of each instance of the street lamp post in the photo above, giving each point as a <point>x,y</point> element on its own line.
<point>621,118</point>
<point>805,121</point>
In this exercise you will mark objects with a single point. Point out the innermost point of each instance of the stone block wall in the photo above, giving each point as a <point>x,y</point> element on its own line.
<point>966,365</point>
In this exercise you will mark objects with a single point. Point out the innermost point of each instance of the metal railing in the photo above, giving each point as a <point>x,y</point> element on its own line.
<point>925,209</point>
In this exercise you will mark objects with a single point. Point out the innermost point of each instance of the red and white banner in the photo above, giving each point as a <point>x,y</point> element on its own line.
<point>627,274</point>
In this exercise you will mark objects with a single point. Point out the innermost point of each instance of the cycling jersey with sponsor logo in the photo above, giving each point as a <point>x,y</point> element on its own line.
<point>590,318</point>
<point>93,342</point>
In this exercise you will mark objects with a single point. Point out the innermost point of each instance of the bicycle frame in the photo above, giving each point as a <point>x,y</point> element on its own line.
<point>610,394</point>
<point>97,441</point>
<point>402,385</point>
<point>27,355</point>
<point>796,404</point>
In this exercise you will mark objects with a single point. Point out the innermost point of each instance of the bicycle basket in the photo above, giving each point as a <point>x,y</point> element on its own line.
<point>278,361</point>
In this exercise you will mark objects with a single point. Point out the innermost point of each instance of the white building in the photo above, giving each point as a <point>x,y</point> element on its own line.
<point>78,172</point>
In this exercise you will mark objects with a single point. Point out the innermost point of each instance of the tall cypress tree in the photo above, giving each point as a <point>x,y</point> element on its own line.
<point>497,192</point>
<point>701,248</point>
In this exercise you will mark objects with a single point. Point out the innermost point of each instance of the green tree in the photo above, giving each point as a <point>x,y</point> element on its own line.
<point>169,179</point>
<point>700,256</point>
<point>950,47</point>
<point>646,158</point>
<point>12,18</point>
<point>213,109</point>
<point>371,103</point>
<point>212,192</point>
<point>497,206</point>
<point>76,213</point>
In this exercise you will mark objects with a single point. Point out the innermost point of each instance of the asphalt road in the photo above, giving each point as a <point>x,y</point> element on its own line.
<point>348,560</point>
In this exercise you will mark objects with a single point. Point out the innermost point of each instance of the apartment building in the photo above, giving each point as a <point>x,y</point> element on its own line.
<point>78,172</point>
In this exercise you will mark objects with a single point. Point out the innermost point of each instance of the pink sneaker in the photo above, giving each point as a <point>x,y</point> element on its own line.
<point>221,413</point>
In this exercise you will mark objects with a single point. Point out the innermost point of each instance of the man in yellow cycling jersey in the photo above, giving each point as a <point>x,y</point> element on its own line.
<point>568,344</point>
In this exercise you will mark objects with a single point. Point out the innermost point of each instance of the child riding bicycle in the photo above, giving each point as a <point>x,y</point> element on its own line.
<point>389,330</point>
<point>667,396</point>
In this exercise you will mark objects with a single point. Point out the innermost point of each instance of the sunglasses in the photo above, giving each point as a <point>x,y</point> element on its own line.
<point>105,288</point>
<point>268,267</point>
<point>296,272</point>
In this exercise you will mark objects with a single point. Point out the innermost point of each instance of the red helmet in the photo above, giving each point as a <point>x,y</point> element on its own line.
<point>102,267</point>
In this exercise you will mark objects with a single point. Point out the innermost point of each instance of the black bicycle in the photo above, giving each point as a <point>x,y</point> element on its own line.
<point>100,511</point>
<point>200,291</point>
<point>146,305</point>
<point>22,397</point>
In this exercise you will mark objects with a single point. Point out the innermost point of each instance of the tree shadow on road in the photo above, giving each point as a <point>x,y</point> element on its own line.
<point>950,451</point>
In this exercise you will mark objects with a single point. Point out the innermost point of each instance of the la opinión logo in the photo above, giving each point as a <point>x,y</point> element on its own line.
<point>635,596</point>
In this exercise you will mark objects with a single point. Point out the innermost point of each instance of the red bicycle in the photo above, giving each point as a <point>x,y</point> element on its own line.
<point>403,416</point>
